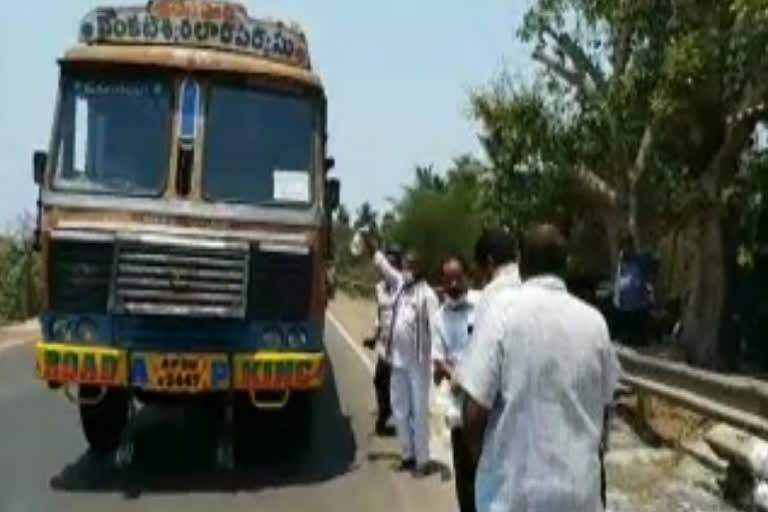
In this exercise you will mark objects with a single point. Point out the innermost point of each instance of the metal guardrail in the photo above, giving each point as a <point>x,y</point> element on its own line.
<point>739,401</point>
<point>736,400</point>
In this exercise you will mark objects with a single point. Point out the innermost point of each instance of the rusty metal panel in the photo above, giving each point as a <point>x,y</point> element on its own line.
<point>191,59</point>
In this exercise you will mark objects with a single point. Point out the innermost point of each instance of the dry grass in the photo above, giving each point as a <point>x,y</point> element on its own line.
<point>19,280</point>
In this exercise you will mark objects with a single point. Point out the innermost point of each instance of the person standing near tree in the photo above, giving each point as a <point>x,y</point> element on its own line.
<point>633,292</point>
<point>409,351</point>
<point>385,300</point>
<point>539,378</point>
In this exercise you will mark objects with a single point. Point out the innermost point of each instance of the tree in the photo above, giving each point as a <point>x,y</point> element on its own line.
<point>640,113</point>
<point>366,216</point>
<point>388,223</point>
<point>439,215</point>
<point>426,178</point>
<point>342,216</point>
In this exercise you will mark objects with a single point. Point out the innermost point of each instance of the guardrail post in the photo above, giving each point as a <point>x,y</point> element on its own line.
<point>644,406</point>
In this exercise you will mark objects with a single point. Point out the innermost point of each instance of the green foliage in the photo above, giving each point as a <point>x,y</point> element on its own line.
<point>20,296</point>
<point>366,216</point>
<point>353,275</point>
<point>527,146</point>
<point>439,215</point>
<point>638,117</point>
<point>342,216</point>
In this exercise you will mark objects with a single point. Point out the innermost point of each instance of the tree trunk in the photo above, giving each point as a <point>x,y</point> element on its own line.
<point>706,291</point>
<point>632,210</point>
<point>612,223</point>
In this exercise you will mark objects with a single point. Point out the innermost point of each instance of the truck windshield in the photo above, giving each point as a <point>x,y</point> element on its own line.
<point>113,135</point>
<point>258,147</point>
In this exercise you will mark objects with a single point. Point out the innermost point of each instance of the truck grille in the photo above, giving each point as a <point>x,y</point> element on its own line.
<point>175,276</point>
<point>280,285</point>
<point>79,274</point>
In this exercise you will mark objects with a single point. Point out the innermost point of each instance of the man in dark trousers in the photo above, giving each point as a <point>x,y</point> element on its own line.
<point>453,326</point>
<point>385,300</point>
<point>539,377</point>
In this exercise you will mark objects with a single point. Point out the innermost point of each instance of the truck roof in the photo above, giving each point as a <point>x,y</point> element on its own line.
<point>210,35</point>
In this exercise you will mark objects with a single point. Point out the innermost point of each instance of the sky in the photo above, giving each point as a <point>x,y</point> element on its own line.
<point>397,75</point>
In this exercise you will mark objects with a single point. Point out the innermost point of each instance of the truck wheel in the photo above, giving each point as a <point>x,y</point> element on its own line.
<point>103,422</point>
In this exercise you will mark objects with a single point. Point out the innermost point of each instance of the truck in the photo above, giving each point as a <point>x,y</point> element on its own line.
<point>184,213</point>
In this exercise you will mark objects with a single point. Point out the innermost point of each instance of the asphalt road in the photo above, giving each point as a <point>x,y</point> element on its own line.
<point>45,466</point>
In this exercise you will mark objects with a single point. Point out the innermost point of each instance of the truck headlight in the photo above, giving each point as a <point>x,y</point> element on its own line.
<point>86,331</point>
<point>272,338</point>
<point>60,329</point>
<point>296,338</point>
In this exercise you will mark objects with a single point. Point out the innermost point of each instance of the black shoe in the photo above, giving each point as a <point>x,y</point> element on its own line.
<point>406,465</point>
<point>422,471</point>
<point>384,430</point>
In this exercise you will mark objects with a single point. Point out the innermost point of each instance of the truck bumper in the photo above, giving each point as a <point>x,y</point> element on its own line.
<point>179,372</point>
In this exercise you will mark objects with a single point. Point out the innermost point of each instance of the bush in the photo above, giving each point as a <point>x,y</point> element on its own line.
<point>20,290</point>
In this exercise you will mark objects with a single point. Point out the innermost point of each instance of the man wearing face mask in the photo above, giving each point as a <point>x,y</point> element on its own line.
<point>408,351</point>
<point>453,326</point>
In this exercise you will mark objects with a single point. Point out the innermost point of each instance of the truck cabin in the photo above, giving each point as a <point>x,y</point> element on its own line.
<point>186,177</point>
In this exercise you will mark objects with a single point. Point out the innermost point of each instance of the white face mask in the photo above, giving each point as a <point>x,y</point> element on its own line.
<point>407,277</point>
<point>455,303</point>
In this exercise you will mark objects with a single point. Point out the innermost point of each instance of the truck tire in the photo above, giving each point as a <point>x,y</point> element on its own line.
<point>103,423</point>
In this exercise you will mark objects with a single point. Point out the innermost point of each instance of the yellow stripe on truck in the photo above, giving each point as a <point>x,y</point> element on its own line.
<point>179,372</point>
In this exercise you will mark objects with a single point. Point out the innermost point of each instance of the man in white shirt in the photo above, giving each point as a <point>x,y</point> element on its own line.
<point>386,293</point>
<point>453,326</point>
<point>539,378</point>
<point>495,259</point>
<point>409,352</point>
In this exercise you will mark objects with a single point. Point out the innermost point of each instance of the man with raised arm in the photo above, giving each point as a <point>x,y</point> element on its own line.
<point>409,353</point>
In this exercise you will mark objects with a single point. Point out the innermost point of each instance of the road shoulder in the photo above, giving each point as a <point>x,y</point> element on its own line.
<point>356,316</point>
<point>13,335</point>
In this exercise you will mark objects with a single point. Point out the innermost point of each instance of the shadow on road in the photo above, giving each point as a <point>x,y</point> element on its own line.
<point>179,456</point>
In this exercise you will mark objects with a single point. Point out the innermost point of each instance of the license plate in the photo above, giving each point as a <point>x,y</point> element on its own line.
<point>180,373</point>
<point>78,364</point>
<point>276,371</point>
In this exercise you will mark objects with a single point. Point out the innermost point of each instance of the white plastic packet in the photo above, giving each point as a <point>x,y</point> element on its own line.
<point>449,403</point>
<point>760,496</point>
<point>357,244</point>
<point>758,458</point>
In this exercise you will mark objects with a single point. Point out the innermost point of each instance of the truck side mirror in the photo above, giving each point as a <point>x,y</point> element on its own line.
<point>329,163</point>
<point>332,194</point>
<point>39,161</point>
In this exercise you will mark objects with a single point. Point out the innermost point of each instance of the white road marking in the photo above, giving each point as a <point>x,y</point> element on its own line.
<point>439,439</point>
<point>349,340</point>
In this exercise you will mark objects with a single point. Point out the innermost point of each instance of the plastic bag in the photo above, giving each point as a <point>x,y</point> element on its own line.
<point>356,245</point>
<point>758,458</point>
<point>760,496</point>
<point>449,403</point>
